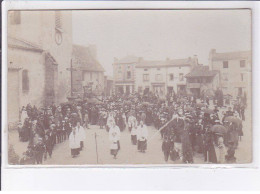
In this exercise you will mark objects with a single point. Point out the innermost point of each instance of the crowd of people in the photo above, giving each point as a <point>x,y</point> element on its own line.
<point>187,125</point>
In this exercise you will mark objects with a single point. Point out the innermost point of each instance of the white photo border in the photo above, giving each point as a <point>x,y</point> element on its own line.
<point>13,173</point>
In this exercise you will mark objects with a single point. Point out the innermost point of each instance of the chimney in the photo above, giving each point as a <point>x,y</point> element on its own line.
<point>115,59</point>
<point>167,59</point>
<point>195,58</point>
<point>93,50</point>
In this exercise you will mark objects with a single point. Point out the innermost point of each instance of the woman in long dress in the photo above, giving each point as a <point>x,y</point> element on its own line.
<point>210,153</point>
<point>74,143</point>
<point>186,144</point>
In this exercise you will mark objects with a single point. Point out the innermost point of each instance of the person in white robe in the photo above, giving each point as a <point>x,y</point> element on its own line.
<point>114,137</point>
<point>110,120</point>
<point>142,135</point>
<point>81,133</point>
<point>23,115</point>
<point>221,150</point>
<point>131,121</point>
<point>74,142</point>
<point>134,132</point>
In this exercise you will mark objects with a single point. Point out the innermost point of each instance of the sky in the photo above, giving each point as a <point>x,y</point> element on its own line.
<point>161,34</point>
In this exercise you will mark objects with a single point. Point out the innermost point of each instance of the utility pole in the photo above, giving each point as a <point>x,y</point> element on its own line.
<point>71,80</point>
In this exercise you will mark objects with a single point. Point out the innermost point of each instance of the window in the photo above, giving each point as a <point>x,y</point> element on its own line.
<point>145,69</point>
<point>225,64</point>
<point>15,17</point>
<point>90,76</point>
<point>171,77</point>
<point>242,77</point>
<point>181,76</point>
<point>242,63</point>
<point>145,77</point>
<point>158,69</point>
<point>25,81</point>
<point>58,23</point>
<point>158,77</point>
<point>128,66</point>
<point>128,74</point>
<point>225,76</point>
<point>180,67</point>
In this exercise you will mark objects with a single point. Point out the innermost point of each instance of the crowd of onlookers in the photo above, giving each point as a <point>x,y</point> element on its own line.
<point>185,123</point>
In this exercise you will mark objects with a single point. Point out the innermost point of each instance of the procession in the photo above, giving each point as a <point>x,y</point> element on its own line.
<point>75,98</point>
<point>186,125</point>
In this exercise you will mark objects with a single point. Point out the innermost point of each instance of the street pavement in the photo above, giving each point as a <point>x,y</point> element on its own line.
<point>97,151</point>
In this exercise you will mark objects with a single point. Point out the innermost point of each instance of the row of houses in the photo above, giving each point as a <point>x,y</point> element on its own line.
<point>230,71</point>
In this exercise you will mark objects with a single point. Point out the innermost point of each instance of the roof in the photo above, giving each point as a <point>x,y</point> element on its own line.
<point>23,44</point>
<point>201,71</point>
<point>166,63</point>
<point>128,59</point>
<point>231,55</point>
<point>85,59</point>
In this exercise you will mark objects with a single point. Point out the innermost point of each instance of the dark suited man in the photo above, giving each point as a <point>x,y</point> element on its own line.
<point>168,143</point>
<point>178,125</point>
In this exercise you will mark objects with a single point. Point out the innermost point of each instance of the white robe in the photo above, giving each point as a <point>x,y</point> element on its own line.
<point>131,121</point>
<point>74,141</point>
<point>134,131</point>
<point>110,120</point>
<point>114,133</point>
<point>81,133</point>
<point>23,116</point>
<point>142,133</point>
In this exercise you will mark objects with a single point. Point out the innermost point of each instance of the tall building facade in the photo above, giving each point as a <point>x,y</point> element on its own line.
<point>234,71</point>
<point>124,74</point>
<point>162,77</point>
<point>39,53</point>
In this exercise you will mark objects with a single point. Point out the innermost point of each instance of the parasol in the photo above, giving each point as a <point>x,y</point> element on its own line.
<point>218,129</point>
<point>235,120</point>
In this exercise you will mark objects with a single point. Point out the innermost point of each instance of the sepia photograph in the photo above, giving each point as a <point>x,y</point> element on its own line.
<point>129,87</point>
